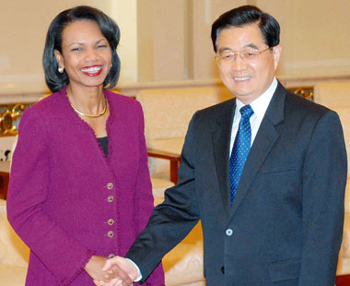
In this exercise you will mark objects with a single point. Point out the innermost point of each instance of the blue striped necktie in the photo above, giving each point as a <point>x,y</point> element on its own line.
<point>240,150</point>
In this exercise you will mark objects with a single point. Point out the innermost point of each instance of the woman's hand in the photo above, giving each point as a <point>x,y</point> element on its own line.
<point>94,268</point>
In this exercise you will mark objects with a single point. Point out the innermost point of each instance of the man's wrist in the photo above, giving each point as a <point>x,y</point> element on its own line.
<point>139,275</point>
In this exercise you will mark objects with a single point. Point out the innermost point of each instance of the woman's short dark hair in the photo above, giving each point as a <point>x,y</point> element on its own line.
<point>246,15</point>
<point>109,29</point>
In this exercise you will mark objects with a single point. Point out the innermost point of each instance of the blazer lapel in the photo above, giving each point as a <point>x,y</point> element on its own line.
<point>221,143</point>
<point>264,141</point>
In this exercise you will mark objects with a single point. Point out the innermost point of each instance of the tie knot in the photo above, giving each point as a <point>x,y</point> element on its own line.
<point>246,111</point>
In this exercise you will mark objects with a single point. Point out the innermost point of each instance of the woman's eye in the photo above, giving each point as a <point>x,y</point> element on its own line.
<point>101,46</point>
<point>76,49</point>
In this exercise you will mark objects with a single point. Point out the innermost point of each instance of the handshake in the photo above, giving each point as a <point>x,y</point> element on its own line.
<point>116,271</point>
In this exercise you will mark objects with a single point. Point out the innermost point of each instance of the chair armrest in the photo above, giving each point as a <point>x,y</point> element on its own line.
<point>4,178</point>
<point>4,182</point>
<point>172,157</point>
<point>342,280</point>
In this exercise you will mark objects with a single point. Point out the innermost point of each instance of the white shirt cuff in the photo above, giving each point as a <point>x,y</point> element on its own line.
<point>139,275</point>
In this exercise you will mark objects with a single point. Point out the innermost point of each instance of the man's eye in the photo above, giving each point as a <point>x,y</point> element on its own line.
<point>249,54</point>
<point>227,56</point>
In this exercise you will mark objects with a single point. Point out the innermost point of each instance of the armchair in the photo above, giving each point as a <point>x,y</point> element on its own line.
<point>167,115</point>
<point>172,157</point>
<point>7,145</point>
<point>14,254</point>
<point>10,115</point>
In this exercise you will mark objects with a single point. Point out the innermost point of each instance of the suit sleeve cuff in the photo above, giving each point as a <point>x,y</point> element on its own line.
<point>139,275</point>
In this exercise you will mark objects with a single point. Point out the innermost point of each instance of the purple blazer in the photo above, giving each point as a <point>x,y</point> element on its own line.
<point>66,200</point>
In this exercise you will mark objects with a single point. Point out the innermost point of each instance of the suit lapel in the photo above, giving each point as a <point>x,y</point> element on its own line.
<point>221,143</point>
<point>264,141</point>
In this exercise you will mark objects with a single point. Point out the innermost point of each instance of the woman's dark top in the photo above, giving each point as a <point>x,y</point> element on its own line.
<point>104,144</point>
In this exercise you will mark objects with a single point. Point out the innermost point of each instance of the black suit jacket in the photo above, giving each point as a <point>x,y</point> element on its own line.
<point>285,227</point>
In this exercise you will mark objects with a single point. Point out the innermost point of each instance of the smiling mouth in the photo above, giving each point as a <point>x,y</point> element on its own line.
<point>92,71</point>
<point>241,78</point>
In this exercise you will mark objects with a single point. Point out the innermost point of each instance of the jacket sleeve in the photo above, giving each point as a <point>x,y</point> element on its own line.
<point>172,220</point>
<point>30,182</point>
<point>324,179</point>
<point>144,199</point>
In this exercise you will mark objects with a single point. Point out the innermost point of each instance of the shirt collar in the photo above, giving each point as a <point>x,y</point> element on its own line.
<point>260,104</point>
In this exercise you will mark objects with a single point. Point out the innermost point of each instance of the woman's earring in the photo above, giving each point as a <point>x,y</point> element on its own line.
<point>60,70</point>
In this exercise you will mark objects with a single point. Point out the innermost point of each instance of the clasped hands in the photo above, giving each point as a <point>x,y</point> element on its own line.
<point>116,271</point>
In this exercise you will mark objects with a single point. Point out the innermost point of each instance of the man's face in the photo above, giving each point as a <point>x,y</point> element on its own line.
<point>246,78</point>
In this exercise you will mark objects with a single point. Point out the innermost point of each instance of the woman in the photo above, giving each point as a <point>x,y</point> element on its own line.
<point>80,190</point>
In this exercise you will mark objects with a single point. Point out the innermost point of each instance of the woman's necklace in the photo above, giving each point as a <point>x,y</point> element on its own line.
<point>90,115</point>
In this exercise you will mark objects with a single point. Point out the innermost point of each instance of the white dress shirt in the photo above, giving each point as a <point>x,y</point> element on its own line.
<point>259,107</point>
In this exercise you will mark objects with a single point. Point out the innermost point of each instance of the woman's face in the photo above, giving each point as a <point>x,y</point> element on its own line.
<point>86,55</point>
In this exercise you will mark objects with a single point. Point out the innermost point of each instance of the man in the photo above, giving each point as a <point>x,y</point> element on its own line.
<point>272,211</point>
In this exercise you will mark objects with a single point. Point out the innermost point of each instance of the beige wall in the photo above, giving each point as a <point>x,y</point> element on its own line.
<point>161,39</point>
<point>124,12</point>
<point>204,14</point>
<point>315,36</point>
<point>167,40</point>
